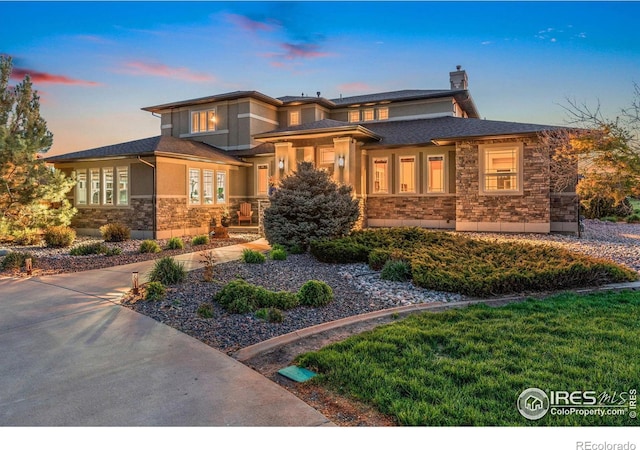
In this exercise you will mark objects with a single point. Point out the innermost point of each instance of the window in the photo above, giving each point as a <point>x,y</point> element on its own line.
<point>407,174</point>
<point>123,185</point>
<point>354,116</point>
<point>294,118</point>
<point>327,156</point>
<point>263,179</point>
<point>221,187</point>
<point>95,186</point>
<point>368,114</point>
<point>107,175</point>
<point>383,113</point>
<point>435,174</point>
<point>194,186</point>
<point>501,169</point>
<point>380,176</point>
<point>207,186</point>
<point>202,121</point>
<point>81,187</point>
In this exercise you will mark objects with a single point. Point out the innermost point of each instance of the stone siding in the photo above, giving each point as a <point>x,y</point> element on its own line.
<point>412,208</point>
<point>564,208</point>
<point>530,206</point>
<point>138,216</point>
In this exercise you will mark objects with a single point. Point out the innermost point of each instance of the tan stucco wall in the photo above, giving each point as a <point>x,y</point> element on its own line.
<point>172,178</point>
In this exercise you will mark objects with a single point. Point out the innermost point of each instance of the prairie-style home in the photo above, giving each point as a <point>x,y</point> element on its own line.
<point>414,158</point>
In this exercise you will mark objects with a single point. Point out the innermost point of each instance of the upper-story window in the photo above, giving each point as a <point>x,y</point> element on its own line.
<point>501,168</point>
<point>383,113</point>
<point>294,118</point>
<point>367,114</point>
<point>202,121</point>
<point>354,116</point>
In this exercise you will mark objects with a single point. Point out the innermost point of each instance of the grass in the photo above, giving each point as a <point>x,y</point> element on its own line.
<point>468,366</point>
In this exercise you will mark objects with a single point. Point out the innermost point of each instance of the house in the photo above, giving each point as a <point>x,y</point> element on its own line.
<point>414,157</point>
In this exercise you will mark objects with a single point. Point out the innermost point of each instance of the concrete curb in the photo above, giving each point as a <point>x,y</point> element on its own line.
<point>246,353</point>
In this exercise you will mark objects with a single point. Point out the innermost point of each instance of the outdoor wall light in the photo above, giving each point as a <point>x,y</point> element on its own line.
<point>28,265</point>
<point>281,164</point>
<point>135,282</point>
<point>341,161</point>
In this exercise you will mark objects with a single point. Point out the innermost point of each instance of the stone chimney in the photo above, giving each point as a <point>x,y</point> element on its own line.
<point>458,79</point>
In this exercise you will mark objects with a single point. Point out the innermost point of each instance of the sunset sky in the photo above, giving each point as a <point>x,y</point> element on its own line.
<point>95,64</point>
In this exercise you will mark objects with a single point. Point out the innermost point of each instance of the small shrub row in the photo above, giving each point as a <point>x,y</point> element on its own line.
<point>175,243</point>
<point>97,248</point>
<point>200,240</point>
<point>149,246</point>
<point>241,297</point>
<point>115,232</point>
<point>16,260</point>
<point>59,236</point>
<point>168,271</point>
<point>339,251</point>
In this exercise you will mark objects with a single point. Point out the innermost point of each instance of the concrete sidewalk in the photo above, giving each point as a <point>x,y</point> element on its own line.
<point>71,356</point>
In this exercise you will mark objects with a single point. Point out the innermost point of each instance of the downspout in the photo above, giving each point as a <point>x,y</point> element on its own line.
<point>153,196</point>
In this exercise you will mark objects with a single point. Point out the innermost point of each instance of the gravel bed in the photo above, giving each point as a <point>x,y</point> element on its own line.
<point>50,261</point>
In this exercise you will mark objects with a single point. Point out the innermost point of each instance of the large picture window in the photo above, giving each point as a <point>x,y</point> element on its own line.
<point>81,187</point>
<point>435,174</point>
<point>408,174</point>
<point>202,121</point>
<point>263,179</point>
<point>501,168</point>
<point>380,176</point>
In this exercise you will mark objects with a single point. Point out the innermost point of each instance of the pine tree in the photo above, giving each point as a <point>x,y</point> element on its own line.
<point>309,205</point>
<point>28,187</point>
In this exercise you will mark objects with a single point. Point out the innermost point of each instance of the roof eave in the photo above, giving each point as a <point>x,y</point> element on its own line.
<point>211,99</point>
<point>453,139</point>
<point>302,134</point>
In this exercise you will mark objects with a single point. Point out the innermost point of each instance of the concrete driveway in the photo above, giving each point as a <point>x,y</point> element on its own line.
<point>71,356</point>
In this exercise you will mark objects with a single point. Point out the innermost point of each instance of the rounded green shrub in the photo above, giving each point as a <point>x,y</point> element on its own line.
<point>278,255</point>
<point>168,271</point>
<point>175,243</point>
<point>115,232</point>
<point>154,291</point>
<point>273,315</point>
<point>200,240</point>
<point>252,256</point>
<point>236,289</point>
<point>315,293</point>
<point>396,270</point>
<point>149,246</point>
<point>339,251</point>
<point>378,257</point>
<point>59,236</point>
<point>205,311</point>
<point>633,218</point>
<point>16,260</point>
<point>97,248</point>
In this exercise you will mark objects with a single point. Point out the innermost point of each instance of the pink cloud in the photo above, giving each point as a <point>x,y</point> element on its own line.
<point>306,51</point>
<point>249,24</point>
<point>162,70</point>
<point>44,77</point>
<point>355,87</point>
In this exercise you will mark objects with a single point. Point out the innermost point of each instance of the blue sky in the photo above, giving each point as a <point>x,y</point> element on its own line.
<point>96,64</point>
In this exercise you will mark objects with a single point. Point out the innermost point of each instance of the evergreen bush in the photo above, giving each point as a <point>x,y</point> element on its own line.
<point>278,255</point>
<point>59,236</point>
<point>154,291</point>
<point>175,243</point>
<point>252,256</point>
<point>200,240</point>
<point>315,293</point>
<point>115,232</point>
<point>396,270</point>
<point>149,246</point>
<point>16,260</point>
<point>205,311</point>
<point>168,271</point>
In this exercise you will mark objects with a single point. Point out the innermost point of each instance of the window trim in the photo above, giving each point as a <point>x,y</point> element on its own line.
<point>374,173</point>
<point>444,174</point>
<point>483,151</point>
<point>415,175</point>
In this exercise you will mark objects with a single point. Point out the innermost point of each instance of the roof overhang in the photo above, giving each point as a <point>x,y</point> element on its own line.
<point>357,131</point>
<point>214,98</point>
<point>453,139</point>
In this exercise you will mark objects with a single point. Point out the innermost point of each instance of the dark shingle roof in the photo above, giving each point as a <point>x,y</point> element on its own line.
<point>215,98</point>
<point>425,131</point>
<point>262,149</point>
<point>407,94</point>
<point>320,126</point>
<point>158,145</point>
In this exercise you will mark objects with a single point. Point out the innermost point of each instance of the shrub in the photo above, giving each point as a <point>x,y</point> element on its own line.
<point>59,236</point>
<point>340,251</point>
<point>309,205</point>
<point>396,270</point>
<point>205,311</point>
<point>240,297</point>
<point>167,271</point>
<point>278,255</point>
<point>315,293</point>
<point>154,291</point>
<point>16,260</point>
<point>633,218</point>
<point>149,246</point>
<point>115,232</point>
<point>97,248</point>
<point>252,256</point>
<point>26,236</point>
<point>278,247</point>
<point>175,243</point>
<point>378,257</point>
<point>296,249</point>
<point>200,240</point>
<point>273,315</point>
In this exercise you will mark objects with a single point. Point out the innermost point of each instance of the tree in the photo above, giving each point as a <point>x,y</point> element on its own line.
<point>307,206</point>
<point>606,152</point>
<point>29,189</point>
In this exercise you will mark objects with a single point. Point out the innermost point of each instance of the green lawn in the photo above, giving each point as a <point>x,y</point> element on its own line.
<point>468,366</point>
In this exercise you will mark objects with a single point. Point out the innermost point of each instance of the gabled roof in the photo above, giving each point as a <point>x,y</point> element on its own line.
<point>154,146</point>
<point>320,127</point>
<point>215,98</point>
